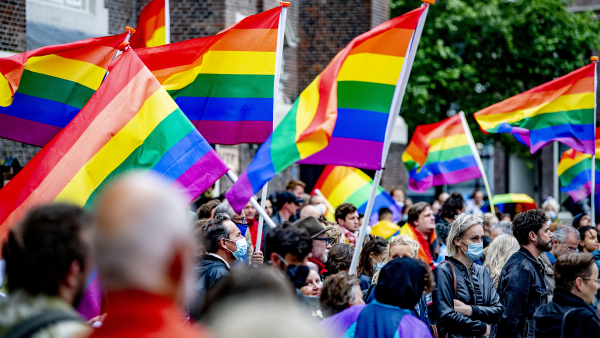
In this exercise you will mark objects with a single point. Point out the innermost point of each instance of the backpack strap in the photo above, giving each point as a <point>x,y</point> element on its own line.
<point>564,320</point>
<point>31,325</point>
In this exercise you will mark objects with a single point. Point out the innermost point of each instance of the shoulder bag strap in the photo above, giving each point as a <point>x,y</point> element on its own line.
<point>31,325</point>
<point>453,276</point>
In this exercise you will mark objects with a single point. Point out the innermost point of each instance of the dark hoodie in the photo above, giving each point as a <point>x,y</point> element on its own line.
<point>582,321</point>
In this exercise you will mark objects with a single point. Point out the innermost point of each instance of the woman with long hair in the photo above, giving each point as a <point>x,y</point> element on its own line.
<point>498,253</point>
<point>372,258</point>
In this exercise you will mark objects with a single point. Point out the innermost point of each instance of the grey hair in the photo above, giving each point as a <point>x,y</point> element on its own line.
<point>561,232</point>
<point>225,208</point>
<point>405,240</point>
<point>504,227</point>
<point>460,225</point>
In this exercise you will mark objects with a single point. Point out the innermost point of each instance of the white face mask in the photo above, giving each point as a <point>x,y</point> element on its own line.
<point>322,208</point>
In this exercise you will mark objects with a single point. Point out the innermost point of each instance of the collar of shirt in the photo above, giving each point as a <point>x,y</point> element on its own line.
<point>551,257</point>
<point>221,258</point>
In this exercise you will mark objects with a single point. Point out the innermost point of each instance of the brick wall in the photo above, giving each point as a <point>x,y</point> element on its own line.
<point>121,13</point>
<point>13,33</point>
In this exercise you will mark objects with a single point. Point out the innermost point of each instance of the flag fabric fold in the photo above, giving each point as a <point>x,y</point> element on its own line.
<point>223,83</point>
<point>561,110</point>
<point>510,203</point>
<point>42,90</point>
<point>151,27</point>
<point>574,172</point>
<point>309,125</point>
<point>129,123</point>
<point>439,153</point>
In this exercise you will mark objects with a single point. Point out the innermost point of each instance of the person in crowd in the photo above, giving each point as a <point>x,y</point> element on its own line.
<point>401,284</point>
<point>310,210</point>
<point>443,197</point>
<point>346,215</point>
<point>48,260</point>
<point>504,217</point>
<point>241,222</point>
<point>588,239</point>
<point>521,286</point>
<point>499,229</point>
<point>312,290</point>
<point>321,242</point>
<point>498,254</point>
<point>408,203</point>
<point>565,240</point>
<point>372,259</point>
<point>339,259</point>
<point>436,207</point>
<point>465,301</point>
<point>454,206</point>
<point>385,228</point>
<point>268,206</point>
<point>399,195</point>
<point>570,314</point>
<point>145,258</point>
<point>473,206</point>
<point>551,207</point>
<point>420,227</point>
<point>296,187</point>
<point>335,233</point>
<point>207,210</point>
<point>250,212</point>
<point>198,232</point>
<point>340,291</point>
<point>318,202</point>
<point>489,219</point>
<point>581,220</point>
<point>287,207</point>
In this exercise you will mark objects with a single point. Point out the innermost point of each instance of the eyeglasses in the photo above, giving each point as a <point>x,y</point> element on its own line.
<point>240,221</point>
<point>570,250</point>
<point>590,278</point>
<point>326,239</point>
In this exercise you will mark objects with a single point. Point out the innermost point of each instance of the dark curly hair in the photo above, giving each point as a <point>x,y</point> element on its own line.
<point>526,222</point>
<point>343,210</point>
<point>337,293</point>
<point>582,231</point>
<point>339,258</point>
<point>288,238</point>
<point>453,203</point>
<point>377,245</point>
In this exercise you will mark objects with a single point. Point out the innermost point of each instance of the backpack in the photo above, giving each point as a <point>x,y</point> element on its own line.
<point>32,325</point>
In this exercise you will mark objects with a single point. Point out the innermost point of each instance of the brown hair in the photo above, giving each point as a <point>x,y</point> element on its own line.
<point>415,211</point>
<point>337,293</point>
<point>204,210</point>
<point>291,185</point>
<point>377,245</point>
<point>343,210</point>
<point>570,266</point>
<point>429,280</point>
<point>339,258</point>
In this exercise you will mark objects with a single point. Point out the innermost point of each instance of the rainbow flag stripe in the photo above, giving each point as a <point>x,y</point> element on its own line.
<point>42,90</point>
<point>150,30</point>
<point>223,83</point>
<point>439,153</point>
<point>309,125</point>
<point>511,203</point>
<point>560,110</point>
<point>574,171</point>
<point>130,123</point>
<point>340,185</point>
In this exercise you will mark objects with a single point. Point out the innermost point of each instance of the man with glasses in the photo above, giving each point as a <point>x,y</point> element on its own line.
<point>320,238</point>
<point>565,240</point>
<point>571,313</point>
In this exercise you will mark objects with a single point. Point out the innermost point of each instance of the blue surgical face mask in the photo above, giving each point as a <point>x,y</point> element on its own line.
<point>552,214</point>
<point>405,217</point>
<point>475,251</point>
<point>241,249</point>
<point>377,266</point>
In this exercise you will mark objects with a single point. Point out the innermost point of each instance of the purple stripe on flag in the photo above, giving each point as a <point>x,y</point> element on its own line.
<point>239,198</point>
<point>26,131</point>
<point>349,152</point>
<point>202,174</point>
<point>446,178</point>
<point>584,146</point>
<point>91,301</point>
<point>581,193</point>
<point>234,132</point>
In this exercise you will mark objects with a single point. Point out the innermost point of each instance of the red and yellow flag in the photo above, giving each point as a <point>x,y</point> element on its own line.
<point>152,27</point>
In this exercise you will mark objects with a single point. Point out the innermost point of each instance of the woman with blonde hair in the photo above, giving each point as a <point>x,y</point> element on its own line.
<point>498,253</point>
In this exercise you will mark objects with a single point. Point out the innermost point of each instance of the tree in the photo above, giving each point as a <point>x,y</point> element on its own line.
<point>475,53</point>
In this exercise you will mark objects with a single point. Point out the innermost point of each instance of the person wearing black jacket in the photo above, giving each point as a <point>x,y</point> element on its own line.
<point>465,301</point>
<point>570,313</point>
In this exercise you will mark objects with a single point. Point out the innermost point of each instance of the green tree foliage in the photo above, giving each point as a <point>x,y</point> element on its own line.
<point>475,53</point>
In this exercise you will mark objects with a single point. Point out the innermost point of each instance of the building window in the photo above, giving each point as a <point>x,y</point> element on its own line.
<point>78,4</point>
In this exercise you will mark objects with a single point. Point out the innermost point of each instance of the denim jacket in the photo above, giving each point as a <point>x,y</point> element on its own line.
<point>522,290</point>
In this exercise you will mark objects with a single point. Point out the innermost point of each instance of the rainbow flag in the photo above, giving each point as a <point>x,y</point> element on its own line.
<point>574,171</point>
<point>340,185</point>
<point>439,153</point>
<point>224,83</point>
<point>309,125</point>
<point>153,25</point>
<point>560,110</point>
<point>42,90</point>
<point>130,123</point>
<point>511,203</point>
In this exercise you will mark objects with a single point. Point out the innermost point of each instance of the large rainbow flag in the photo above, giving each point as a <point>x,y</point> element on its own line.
<point>340,185</point>
<point>510,203</point>
<point>574,171</point>
<point>42,90</point>
<point>560,110</point>
<point>224,83</point>
<point>310,123</point>
<point>152,27</point>
<point>131,122</point>
<point>439,153</point>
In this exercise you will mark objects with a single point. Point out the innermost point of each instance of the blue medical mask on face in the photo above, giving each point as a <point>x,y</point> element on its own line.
<point>475,251</point>
<point>377,266</point>
<point>241,249</point>
<point>552,214</point>
<point>405,217</point>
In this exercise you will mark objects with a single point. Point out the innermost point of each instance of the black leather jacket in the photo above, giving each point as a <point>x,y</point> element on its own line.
<point>209,271</point>
<point>567,313</point>
<point>477,290</point>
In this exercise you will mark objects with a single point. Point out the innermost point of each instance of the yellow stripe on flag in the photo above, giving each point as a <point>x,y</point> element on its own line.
<point>5,93</point>
<point>345,189</point>
<point>307,109</point>
<point>84,73</point>
<point>158,38</point>
<point>567,162</point>
<point>444,143</point>
<point>368,67</point>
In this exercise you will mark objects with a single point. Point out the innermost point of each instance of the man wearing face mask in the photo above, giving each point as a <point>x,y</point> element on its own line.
<point>287,250</point>
<point>320,238</point>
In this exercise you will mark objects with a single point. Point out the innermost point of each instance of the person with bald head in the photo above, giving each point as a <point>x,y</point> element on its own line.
<point>310,210</point>
<point>145,257</point>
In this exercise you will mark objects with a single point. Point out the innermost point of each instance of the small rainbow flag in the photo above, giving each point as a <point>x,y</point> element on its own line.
<point>439,153</point>
<point>131,122</point>
<point>340,185</point>
<point>309,125</point>
<point>560,110</point>
<point>574,171</point>
<point>153,25</point>
<point>42,90</point>
<point>511,203</point>
<point>224,83</point>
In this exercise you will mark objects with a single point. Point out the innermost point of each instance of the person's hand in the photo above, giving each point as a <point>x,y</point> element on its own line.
<point>97,321</point>
<point>462,308</point>
<point>257,257</point>
<point>487,330</point>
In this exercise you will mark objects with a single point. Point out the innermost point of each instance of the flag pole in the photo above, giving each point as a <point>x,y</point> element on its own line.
<point>329,206</point>
<point>233,178</point>
<point>593,166</point>
<point>278,57</point>
<point>167,23</point>
<point>393,115</point>
<point>477,159</point>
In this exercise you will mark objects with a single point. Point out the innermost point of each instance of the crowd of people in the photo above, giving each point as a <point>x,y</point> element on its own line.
<point>444,270</point>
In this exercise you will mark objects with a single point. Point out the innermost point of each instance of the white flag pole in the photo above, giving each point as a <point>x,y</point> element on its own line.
<point>477,159</point>
<point>233,178</point>
<point>167,23</point>
<point>394,111</point>
<point>593,166</point>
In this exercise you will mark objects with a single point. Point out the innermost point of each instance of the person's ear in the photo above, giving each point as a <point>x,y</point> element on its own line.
<point>73,277</point>
<point>532,236</point>
<point>223,244</point>
<point>371,255</point>
<point>457,242</point>
<point>274,259</point>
